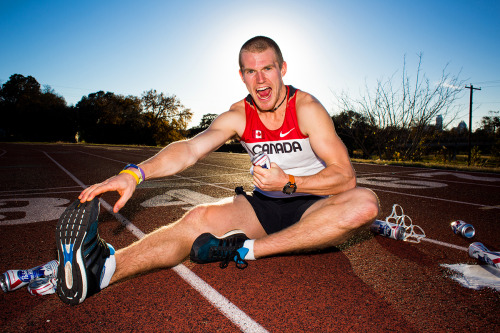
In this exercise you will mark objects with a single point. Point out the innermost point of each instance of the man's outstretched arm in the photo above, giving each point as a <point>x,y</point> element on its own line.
<point>170,160</point>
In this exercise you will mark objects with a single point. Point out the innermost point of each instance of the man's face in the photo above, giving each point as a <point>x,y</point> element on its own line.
<point>263,78</point>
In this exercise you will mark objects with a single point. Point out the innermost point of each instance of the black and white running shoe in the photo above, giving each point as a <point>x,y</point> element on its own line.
<point>83,255</point>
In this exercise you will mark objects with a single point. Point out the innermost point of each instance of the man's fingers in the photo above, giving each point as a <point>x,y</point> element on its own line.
<point>121,202</point>
<point>91,192</point>
<point>124,184</point>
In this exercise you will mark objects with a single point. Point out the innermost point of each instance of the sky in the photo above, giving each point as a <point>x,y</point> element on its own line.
<point>190,48</point>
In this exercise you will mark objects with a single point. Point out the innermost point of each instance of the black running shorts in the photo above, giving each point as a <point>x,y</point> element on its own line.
<point>276,214</point>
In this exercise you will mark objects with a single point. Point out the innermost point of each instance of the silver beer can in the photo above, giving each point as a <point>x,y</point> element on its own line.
<point>16,278</point>
<point>387,229</point>
<point>479,251</point>
<point>463,229</point>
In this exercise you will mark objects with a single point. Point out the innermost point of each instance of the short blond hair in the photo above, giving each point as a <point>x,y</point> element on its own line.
<point>260,44</point>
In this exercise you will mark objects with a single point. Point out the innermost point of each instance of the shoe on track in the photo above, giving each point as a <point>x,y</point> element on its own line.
<point>82,253</point>
<point>208,248</point>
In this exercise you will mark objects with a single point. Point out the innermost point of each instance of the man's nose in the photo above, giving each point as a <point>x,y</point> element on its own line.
<point>260,77</point>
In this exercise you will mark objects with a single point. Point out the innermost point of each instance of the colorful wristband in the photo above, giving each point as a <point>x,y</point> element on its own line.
<point>143,176</point>
<point>137,179</point>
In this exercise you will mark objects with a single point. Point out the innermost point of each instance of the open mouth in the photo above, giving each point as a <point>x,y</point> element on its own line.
<point>264,93</point>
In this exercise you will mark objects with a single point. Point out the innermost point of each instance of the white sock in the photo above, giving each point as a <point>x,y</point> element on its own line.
<point>109,268</point>
<point>249,245</point>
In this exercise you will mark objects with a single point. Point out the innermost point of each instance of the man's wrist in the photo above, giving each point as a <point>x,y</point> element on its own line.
<point>135,171</point>
<point>291,186</point>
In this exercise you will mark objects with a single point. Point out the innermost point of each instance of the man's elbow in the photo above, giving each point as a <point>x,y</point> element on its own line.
<point>351,182</point>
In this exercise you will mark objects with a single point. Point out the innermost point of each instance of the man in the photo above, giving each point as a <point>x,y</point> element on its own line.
<point>307,198</point>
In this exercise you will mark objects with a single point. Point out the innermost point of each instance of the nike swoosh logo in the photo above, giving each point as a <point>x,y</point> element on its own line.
<point>282,135</point>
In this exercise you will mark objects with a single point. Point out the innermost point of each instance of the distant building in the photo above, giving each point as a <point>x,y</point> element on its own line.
<point>462,127</point>
<point>439,122</point>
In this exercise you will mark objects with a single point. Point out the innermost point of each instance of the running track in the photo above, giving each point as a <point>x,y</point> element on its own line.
<point>369,284</point>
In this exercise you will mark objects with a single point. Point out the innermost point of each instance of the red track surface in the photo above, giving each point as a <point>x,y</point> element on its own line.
<point>371,283</point>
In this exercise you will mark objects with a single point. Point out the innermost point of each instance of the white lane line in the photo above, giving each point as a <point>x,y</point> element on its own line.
<point>33,190</point>
<point>231,311</point>
<point>445,244</point>
<point>431,198</point>
<point>10,195</point>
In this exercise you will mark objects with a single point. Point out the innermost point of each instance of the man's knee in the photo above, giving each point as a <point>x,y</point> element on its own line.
<point>368,205</point>
<point>206,218</point>
<point>196,218</point>
<point>362,207</point>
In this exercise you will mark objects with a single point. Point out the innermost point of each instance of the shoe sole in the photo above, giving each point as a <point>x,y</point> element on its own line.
<point>70,233</point>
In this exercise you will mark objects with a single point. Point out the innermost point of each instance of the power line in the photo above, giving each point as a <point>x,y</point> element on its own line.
<point>492,81</point>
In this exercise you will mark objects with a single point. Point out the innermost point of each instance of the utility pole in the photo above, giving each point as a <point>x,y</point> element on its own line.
<point>470,119</point>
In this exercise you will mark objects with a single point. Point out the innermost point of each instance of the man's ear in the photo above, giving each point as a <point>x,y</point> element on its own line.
<point>283,69</point>
<point>241,75</point>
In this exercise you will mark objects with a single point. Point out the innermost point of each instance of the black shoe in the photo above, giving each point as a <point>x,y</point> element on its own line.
<point>82,253</point>
<point>208,248</point>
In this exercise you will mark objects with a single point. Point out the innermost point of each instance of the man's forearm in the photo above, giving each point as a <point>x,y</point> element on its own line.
<point>171,160</point>
<point>331,180</point>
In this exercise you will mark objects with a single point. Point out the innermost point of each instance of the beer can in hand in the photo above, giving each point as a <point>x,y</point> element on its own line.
<point>262,160</point>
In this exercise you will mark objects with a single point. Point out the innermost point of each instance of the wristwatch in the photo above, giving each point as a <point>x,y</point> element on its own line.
<point>290,187</point>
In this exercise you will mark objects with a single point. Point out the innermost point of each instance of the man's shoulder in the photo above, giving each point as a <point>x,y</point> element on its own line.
<point>238,107</point>
<point>233,119</point>
<point>308,104</point>
<point>305,99</point>
<point>310,113</point>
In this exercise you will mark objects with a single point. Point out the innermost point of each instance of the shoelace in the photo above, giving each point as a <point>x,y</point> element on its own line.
<point>228,251</point>
<point>235,255</point>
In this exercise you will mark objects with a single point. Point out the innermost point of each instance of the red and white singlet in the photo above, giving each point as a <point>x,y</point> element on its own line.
<point>285,146</point>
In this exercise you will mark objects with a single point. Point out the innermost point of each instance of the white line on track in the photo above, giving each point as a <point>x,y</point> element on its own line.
<point>231,311</point>
<point>432,198</point>
<point>445,244</point>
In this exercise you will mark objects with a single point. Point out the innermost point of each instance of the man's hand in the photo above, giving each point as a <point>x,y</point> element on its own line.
<point>124,184</point>
<point>272,179</point>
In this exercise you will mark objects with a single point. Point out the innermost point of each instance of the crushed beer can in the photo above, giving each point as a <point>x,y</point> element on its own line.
<point>14,279</point>
<point>388,229</point>
<point>262,160</point>
<point>479,251</point>
<point>463,229</point>
<point>43,286</point>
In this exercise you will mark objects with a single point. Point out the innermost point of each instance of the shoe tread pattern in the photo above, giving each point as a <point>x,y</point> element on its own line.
<point>71,230</point>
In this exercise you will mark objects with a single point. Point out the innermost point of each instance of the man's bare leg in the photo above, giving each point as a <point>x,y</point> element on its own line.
<point>170,245</point>
<point>328,222</point>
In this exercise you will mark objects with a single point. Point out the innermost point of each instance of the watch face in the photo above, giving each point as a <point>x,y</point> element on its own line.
<point>289,188</point>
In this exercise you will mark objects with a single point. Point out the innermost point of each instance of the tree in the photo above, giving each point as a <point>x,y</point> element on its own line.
<point>30,113</point>
<point>355,131</point>
<point>166,116</point>
<point>110,118</point>
<point>491,124</point>
<point>205,122</point>
<point>401,114</point>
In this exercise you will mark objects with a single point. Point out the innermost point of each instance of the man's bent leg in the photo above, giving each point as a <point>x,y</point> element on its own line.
<point>328,222</point>
<point>170,245</point>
